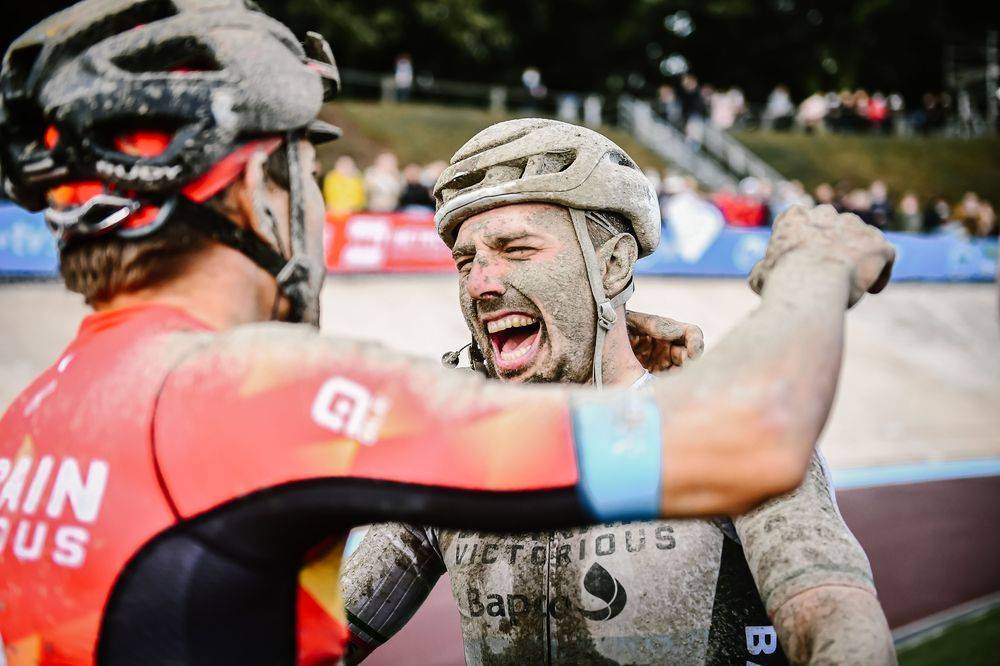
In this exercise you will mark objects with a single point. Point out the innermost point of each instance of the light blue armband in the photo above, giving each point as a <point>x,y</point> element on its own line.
<point>619,453</point>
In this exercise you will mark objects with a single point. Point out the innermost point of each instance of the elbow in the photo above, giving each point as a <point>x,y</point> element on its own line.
<point>727,462</point>
<point>778,456</point>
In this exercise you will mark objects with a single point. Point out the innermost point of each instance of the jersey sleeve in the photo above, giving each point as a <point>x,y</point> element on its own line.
<point>799,541</point>
<point>373,436</point>
<point>385,581</point>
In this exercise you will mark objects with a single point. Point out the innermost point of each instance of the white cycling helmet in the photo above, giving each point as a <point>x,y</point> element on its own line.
<point>547,161</point>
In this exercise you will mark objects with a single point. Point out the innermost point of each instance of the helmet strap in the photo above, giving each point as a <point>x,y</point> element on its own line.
<point>606,308</point>
<point>294,279</point>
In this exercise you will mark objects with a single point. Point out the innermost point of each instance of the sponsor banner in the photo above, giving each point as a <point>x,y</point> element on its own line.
<point>385,243</point>
<point>407,242</point>
<point>26,244</point>
<point>727,251</point>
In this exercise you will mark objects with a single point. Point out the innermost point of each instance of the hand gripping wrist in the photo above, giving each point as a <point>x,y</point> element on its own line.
<point>619,454</point>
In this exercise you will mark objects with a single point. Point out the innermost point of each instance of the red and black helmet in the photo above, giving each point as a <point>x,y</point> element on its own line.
<point>112,111</point>
<point>150,94</point>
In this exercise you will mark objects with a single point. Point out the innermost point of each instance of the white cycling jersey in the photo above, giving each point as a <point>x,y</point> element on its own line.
<point>671,591</point>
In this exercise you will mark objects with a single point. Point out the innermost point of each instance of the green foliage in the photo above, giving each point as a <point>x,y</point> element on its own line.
<point>892,45</point>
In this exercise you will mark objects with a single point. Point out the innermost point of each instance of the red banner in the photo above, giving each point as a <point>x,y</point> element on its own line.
<point>385,243</point>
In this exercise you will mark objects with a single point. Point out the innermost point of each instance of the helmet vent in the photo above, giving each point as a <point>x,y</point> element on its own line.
<point>20,64</point>
<point>548,163</point>
<point>181,54</point>
<point>464,181</point>
<point>621,159</point>
<point>135,15</point>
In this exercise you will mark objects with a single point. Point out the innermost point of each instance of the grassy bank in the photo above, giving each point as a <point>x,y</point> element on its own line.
<point>426,132</point>
<point>927,165</point>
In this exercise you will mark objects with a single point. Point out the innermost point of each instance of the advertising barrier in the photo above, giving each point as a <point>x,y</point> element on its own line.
<point>407,243</point>
<point>27,248</point>
<point>731,252</point>
<point>385,243</point>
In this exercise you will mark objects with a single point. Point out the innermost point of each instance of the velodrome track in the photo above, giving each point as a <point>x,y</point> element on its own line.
<point>914,437</point>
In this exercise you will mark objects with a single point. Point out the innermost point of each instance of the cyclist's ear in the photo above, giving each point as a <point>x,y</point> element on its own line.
<point>616,258</point>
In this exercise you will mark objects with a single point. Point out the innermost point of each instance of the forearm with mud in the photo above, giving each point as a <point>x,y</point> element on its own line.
<point>740,424</point>
<point>834,625</point>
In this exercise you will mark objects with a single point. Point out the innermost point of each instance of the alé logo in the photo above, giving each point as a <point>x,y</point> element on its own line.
<point>46,506</point>
<point>347,408</point>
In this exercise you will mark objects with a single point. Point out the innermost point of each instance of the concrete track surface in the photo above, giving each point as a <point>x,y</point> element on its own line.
<point>921,378</point>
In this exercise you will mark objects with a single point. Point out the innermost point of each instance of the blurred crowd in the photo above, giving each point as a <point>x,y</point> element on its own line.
<point>692,104</point>
<point>381,188</point>
<point>756,203</point>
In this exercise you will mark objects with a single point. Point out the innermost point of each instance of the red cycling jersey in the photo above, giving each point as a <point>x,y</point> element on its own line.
<point>161,485</point>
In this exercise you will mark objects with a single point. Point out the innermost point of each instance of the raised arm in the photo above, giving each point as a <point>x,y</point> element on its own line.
<point>739,425</point>
<point>814,577</point>
<point>277,406</point>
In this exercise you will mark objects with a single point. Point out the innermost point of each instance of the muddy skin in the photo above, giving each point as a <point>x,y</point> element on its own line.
<point>552,286</point>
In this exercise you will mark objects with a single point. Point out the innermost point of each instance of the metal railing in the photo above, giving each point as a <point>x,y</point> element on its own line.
<point>571,106</point>
<point>638,118</point>
<point>736,157</point>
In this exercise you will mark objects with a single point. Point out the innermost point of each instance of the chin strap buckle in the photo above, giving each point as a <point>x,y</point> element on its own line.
<point>606,316</point>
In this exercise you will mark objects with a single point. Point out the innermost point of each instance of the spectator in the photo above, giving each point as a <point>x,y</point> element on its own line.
<point>744,208</point>
<point>688,205</point>
<point>693,110</point>
<point>382,184</point>
<point>878,113</point>
<point>787,194</point>
<point>343,189</point>
<point>936,215</point>
<point>726,107</point>
<point>531,79</point>
<point>672,184</point>
<point>824,194</point>
<point>430,173</point>
<point>880,208</point>
<point>779,111</point>
<point>403,77</point>
<point>668,106</point>
<point>415,195</point>
<point>859,202</point>
<point>812,113</point>
<point>976,216</point>
<point>908,217</point>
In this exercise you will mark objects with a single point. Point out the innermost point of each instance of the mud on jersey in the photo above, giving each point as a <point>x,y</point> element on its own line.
<point>631,593</point>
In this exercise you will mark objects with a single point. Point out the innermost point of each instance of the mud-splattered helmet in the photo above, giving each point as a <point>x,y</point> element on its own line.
<point>547,161</point>
<point>115,112</point>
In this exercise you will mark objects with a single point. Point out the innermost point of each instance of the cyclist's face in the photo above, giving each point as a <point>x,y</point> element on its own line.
<point>524,293</point>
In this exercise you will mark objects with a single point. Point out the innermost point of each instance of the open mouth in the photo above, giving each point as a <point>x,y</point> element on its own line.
<point>515,339</point>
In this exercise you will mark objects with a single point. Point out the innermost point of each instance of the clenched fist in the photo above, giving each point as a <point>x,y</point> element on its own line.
<point>828,236</point>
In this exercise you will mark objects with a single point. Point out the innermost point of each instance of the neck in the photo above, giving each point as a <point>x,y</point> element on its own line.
<point>619,366</point>
<point>219,286</point>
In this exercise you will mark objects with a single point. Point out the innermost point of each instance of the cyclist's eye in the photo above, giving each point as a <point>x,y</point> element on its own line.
<point>519,251</point>
<point>463,264</point>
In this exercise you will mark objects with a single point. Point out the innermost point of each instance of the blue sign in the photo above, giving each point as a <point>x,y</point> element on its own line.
<point>733,252</point>
<point>27,247</point>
